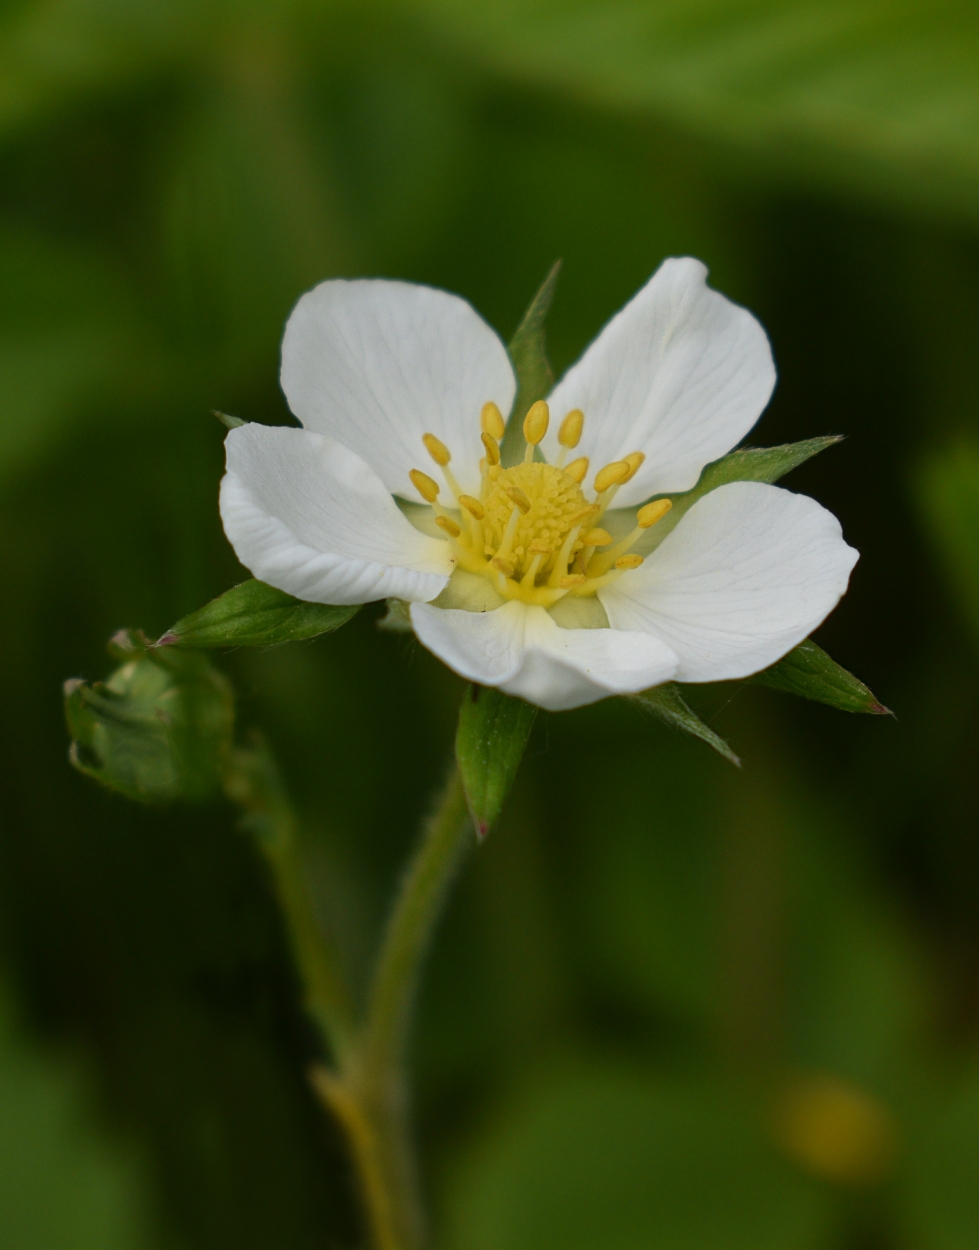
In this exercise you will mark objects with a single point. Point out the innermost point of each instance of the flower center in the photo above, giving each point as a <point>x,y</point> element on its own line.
<point>533,532</point>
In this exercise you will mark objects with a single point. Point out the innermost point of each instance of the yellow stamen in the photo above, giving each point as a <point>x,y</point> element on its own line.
<point>584,514</point>
<point>612,475</point>
<point>427,487</point>
<point>536,421</point>
<point>573,579</point>
<point>492,449</point>
<point>628,562</point>
<point>446,523</point>
<point>596,538</point>
<point>650,513</point>
<point>436,449</point>
<point>472,506</point>
<point>569,434</point>
<point>506,567</point>
<point>578,469</point>
<point>634,460</point>
<point>528,578</point>
<point>491,421</point>
<point>519,498</point>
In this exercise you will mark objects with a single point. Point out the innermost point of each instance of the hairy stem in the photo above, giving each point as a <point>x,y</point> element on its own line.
<point>377,1115</point>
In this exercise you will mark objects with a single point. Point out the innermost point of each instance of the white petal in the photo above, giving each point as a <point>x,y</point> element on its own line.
<point>524,652</point>
<point>309,517</point>
<point>680,373</point>
<point>749,572</point>
<point>377,364</point>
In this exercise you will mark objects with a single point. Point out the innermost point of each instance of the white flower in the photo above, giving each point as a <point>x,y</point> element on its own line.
<point>525,577</point>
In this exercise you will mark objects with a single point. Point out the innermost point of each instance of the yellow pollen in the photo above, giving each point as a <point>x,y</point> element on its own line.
<point>536,421</point>
<point>569,434</point>
<point>596,538</point>
<point>589,510</point>
<point>628,562</point>
<point>491,421</point>
<point>650,513</point>
<point>577,469</point>
<point>426,487</point>
<point>634,460</point>
<point>446,523</point>
<point>436,449</point>
<point>472,506</point>
<point>492,448</point>
<point>614,473</point>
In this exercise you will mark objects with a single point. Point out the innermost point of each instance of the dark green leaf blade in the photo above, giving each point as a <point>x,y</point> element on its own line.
<point>529,356</point>
<point>668,704</point>
<point>810,673</point>
<point>493,731</point>
<point>747,464</point>
<point>255,615</point>
<point>158,730</point>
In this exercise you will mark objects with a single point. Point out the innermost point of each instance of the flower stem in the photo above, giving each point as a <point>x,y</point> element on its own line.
<point>372,1100</point>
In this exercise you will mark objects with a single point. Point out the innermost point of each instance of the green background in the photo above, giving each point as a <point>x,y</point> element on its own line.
<point>650,943</point>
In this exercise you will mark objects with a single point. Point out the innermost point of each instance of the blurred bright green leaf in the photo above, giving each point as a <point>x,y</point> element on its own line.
<point>253,614</point>
<point>594,1158</point>
<point>668,704</point>
<point>528,351</point>
<point>62,1187</point>
<point>881,99</point>
<point>158,729</point>
<point>941,1199</point>
<point>948,491</point>
<point>810,673</point>
<point>493,731</point>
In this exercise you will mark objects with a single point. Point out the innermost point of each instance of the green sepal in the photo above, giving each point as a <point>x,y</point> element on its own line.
<point>747,464</point>
<point>668,704</point>
<point>158,730</point>
<point>493,731</point>
<point>232,423</point>
<point>529,356</point>
<point>809,672</point>
<point>255,615</point>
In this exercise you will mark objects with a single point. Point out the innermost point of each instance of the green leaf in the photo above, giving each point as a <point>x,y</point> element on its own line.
<point>529,356</point>
<point>493,731</point>
<point>159,729</point>
<point>668,704</point>
<point>747,464</point>
<point>809,672</point>
<point>878,99</point>
<point>255,615</point>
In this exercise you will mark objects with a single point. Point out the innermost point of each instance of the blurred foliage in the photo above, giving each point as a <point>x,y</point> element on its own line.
<point>654,953</point>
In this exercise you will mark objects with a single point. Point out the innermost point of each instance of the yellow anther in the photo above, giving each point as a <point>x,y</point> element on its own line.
<point>492,448</point>
<point>536,421</point>
<point>472,506</point>
<point>519,498</point>
<point>491,421</point>
<point>573,579</point>
<point>614,473</point>
<point>577,469</point>
<point>634,460</point>
<point>583,514</point>
<point>596,538</point>
<point>436,449</point>
<point>540,547</point>
<point>446,523</point>
<point>426,487</point>
<point>506,567</point>
<point>628,562</point>
<point>650,513</point>
<point>569,434</point>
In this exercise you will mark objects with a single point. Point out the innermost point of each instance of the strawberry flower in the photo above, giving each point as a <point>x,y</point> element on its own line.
<point>547,578</point>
